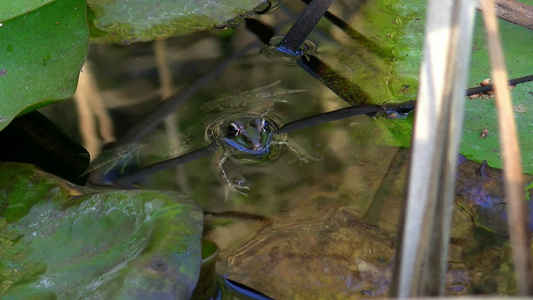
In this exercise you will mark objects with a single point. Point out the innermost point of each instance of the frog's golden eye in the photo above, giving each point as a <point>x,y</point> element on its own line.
<point>233,129</point>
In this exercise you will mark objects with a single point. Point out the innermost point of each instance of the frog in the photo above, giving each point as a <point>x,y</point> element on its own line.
<point>246,137</point>
<point>250,138</point>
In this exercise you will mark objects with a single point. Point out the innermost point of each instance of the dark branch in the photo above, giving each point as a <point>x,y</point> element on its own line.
<point>328,117</point>
<point>150,121</point>
<point>301,29</point>
<point>128,179</point>
<point>490,87</point>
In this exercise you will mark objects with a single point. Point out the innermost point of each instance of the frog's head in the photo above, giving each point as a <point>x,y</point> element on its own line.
<point>248,135</point>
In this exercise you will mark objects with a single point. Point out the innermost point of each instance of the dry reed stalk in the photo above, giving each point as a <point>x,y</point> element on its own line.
<point>512,168</point>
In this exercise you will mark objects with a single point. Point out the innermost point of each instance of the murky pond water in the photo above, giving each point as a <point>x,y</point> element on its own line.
<point>318,217</point>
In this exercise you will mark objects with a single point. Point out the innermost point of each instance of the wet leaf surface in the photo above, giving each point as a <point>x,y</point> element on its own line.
<point>481,112</point>
<point>391,74</point>
<point>480,189</point>
<point>12,9</point>
<point>61,240</point>
<point>42,65</point>
<point>134,21</point>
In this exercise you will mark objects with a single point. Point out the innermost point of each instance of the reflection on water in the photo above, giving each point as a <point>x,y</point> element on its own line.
<point>322,229</point>
<point>272,50</point>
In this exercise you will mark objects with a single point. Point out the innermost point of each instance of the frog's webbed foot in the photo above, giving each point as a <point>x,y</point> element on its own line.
<point>302,157</point>
<point>237,187</point>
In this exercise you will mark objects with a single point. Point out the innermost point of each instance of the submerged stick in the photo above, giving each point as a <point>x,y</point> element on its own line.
<point>128,179</point>
<point>344,113</point>
<point>147,124</point>
<point>328,117</point>
<point>512,168</point>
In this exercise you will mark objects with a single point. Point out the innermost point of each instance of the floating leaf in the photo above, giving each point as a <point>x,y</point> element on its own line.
<point>139,20</point>
<point>481,113</point>
<point>391,76</point>
<point>381,57</point>
<point>60,240</point>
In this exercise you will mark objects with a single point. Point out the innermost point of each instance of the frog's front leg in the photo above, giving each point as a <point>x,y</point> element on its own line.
<point>301,155</point>
<point>237,187</point>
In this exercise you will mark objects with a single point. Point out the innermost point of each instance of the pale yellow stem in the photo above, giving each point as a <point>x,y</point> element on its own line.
<point>512,168</point>
<point>86,121</point>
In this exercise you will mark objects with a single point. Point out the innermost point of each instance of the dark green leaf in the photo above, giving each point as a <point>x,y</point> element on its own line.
<point>41,54</point>
<point>11,9</point>
<point>67,241</point>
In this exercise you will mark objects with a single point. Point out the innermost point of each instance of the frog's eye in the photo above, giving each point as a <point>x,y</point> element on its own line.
<point>261,124</point>
<point>264,125</point>
<point>233,129</point>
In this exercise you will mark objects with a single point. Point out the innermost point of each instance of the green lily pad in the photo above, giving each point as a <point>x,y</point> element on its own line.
<point>376,63</point>
<point>391,75</point>
<point>481,113</point>
<point>41,54</point>
<point>11,9</point>
<point>128,21</point>
<point>381,54</point>
<point>60,240</point>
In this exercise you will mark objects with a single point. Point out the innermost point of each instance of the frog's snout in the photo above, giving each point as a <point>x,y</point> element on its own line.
<point>256,145</point>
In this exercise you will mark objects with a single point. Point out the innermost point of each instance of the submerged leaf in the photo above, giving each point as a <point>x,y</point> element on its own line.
<point>66,241</point>
<point>140,20</point>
